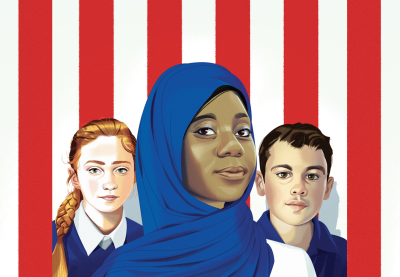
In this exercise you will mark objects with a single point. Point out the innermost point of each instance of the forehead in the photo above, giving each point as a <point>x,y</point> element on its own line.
<point>103,149</point>
<point>283,153</point>
<point>227,103</point>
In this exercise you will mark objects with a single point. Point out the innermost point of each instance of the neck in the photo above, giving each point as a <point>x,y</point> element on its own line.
<point>106,222</point>
<point>296,235</point>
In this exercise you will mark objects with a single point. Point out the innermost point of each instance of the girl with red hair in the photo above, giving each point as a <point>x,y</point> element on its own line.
<point>90,222</point>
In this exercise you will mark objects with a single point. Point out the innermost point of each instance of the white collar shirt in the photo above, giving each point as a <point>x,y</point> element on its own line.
<point>91,236</point>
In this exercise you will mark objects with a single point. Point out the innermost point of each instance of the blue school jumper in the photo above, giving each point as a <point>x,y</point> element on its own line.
<point>327,252</point>
<point>78,262</point>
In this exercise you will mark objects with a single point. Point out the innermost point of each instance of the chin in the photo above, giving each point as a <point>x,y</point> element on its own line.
<point>108,207</point>
<point>229,197</point>
<point>297,220</point>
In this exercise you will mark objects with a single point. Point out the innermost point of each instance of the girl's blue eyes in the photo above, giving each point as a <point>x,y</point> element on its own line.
<point>120,170</point>
<point>209,132</point>
<point>94,171</point>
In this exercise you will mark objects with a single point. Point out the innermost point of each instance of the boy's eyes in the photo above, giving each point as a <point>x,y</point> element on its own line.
<point>312,177</point>
<point>284,175</point>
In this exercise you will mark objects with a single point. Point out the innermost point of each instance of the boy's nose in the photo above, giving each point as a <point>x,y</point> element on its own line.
<point>299,189</point>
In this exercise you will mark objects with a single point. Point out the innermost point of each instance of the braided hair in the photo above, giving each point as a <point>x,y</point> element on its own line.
<point>66,211</point>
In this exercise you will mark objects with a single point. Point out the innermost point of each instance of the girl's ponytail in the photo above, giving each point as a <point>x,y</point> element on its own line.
<point>64,219</point>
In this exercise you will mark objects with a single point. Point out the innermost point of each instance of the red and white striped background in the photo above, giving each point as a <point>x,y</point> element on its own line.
<point>334,64</point>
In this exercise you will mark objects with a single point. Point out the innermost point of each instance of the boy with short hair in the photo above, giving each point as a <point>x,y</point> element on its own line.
<point>295,162</point>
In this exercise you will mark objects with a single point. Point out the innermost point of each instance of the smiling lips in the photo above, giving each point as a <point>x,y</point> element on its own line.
<point>297,205</point>
<point>232,172</point>
<point>109,197</point>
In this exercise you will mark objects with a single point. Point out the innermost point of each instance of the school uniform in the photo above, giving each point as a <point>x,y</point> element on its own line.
<point>327,252</point>
<point>86,248</point>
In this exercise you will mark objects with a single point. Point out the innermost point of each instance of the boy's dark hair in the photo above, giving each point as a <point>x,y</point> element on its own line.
<point>297,135</point>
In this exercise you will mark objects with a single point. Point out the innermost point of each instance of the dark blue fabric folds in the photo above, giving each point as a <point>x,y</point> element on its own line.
<point>184,236</point>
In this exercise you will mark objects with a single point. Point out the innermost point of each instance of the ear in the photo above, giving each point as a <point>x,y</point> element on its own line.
<point>328,189</point>
<point>260,183</point>
<point>74,179</point>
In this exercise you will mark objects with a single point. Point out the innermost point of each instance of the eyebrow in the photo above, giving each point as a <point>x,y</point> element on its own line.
<point>208,115</point>
<point>316,167</point>
<point>284,166</point>
<point>240,115</point>
<point>102,163</point>
<point>95,162</point>
<point>121,162</point>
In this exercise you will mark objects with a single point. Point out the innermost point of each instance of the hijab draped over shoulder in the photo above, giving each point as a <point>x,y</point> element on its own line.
<point>184,236</point>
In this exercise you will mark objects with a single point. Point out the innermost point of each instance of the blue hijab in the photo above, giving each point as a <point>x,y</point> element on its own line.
<point>184,236</point>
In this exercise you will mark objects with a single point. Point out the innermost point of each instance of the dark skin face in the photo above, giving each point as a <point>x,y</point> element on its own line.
<point>219,157</point>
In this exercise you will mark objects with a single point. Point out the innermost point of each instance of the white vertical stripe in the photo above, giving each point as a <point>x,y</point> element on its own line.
<point>65,91</point>
<point>266,80</point>
<point>333,107</point>
<point>9,137</point>
<point>130,72</point>
<point>390,137</point>
<point>198,31</point>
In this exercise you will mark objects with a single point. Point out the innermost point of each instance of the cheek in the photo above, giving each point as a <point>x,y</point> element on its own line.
<point>276,194</point>
<point>125,184</point>
<point>91,186</point>
<point>250,155</point>
<point>316,194</point>
<point>201,156</point>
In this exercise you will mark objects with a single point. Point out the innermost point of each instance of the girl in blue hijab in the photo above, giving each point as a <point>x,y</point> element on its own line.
<point>193,227</point>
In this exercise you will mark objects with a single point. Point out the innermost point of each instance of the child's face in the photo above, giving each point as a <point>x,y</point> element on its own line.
<point>296,182</point>
<point>106,173</point>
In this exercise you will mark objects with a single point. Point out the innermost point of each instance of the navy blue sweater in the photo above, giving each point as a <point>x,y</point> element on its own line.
<point>78,262</point>
<point>327,252</point>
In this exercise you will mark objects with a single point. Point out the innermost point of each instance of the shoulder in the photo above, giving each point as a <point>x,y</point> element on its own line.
<point>133,231</point>
<point>341,244</point>
<point>66,236</point>
<point>263,217</point>
<point>54,234</point>
<point>300,263</point>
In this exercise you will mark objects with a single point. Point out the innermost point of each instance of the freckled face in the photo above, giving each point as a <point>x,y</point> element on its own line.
<point>218,157</point>
<point>106,173</point>
<point>294,188</point>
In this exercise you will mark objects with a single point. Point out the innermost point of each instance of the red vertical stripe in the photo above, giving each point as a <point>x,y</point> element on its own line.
<point>96,60</point>
<point>364,137</point>
<point>233,39</point>
<point>301,61</point>
<point>164,37</point>
<point>232,30</point>
<point>35,137</point>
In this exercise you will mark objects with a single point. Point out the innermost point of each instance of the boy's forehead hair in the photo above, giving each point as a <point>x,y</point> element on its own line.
<point>297,135</point>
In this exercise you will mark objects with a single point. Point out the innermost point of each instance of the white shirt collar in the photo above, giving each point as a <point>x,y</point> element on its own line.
<point>91,236</point>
